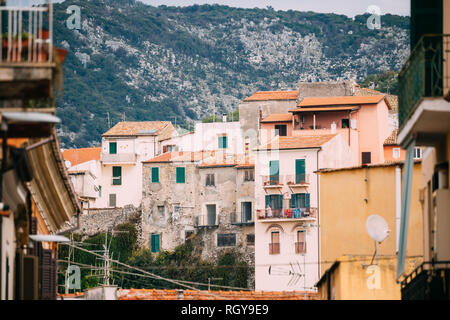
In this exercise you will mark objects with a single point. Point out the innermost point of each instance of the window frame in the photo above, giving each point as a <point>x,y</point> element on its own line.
<point>112,143</point>
<point>178,175</point>
<point>153,238</point>
<point>115,178</point>
<point>155,169</point>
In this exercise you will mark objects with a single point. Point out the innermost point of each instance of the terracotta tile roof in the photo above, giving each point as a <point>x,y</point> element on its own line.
<point>392,99</point>
<point>297,142</point>
<point>181,156</point>
<point>155,294</point>
<point>278,117</point>
<point>273,95</point>
<point>77,156</point>
<point>392,139</point>
<point>137,128</point>
<point>339,101</point>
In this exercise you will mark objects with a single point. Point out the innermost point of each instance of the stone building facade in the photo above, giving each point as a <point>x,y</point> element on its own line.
<point>203,193</point>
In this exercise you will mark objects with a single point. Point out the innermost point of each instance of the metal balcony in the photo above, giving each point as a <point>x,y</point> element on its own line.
<point>241,219</point>
<point>206,221</point>
<point>425,74</point>
<point>286,214</point>
<point>430,281</point>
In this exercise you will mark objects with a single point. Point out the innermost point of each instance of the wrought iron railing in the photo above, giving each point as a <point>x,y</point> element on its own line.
<point>23,37</point>
<point>431,280</point>
<point>206,221</point>
<point>291,213</point>
<point>425,74</point>
<point>241,218</point>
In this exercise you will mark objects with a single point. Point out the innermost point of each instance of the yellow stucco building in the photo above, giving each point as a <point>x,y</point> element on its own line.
<point>348,196</point>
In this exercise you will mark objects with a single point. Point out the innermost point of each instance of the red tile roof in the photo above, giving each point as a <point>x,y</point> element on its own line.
<point>340,101</point>
<point>392,139</point>
<point>77,156</point>
<point>155,294</point>
<point>138,128</point>
<point>278,117</point>
<point>296,142</point>
<point>273,95</point>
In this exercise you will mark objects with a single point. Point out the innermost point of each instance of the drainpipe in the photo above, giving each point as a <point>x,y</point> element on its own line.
<point>318,212</point>
<point>398,205</point>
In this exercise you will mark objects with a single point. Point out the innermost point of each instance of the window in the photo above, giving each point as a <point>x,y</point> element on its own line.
<point>181,175</point>
<point>417,153</point>
<point>112,200</point>
<point>300,176</point>
<point>248,175</point>
<point>176,211</point>
<point>300,245</point>
<point>396,153</point>
<point>155,175</point>
<point>211,215</point>
<point>345,123</point>
<point>274,169</point>
<point>155,242</point>
<point>99,191</point>
<point>274,201</point>
<point>251,239</point>
<point>366,157</point>
<point>300,200</point>
<point>223,143</point>
<point>117,176</point>
<point>210,179</point>
<point>162,211</point>
<point>112,147</point>
<point>280,130</point>
<point>226,240</point>
<point>274,245</point>
<point>246,211</point>
<point>169,148</point>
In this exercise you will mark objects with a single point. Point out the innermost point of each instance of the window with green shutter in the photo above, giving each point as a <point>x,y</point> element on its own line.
<point>274,169</point>
<point>181,175</point>
<point>155,175</point>
<point>300,200</point>
<point>300,175</point>
<point>117,176</point>
<point>155,243</point>
<point>113,148</point>
<point>223,142</point>
<point>99,191</point>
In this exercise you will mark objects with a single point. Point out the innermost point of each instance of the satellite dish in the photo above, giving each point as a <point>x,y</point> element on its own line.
<point>377,228</point>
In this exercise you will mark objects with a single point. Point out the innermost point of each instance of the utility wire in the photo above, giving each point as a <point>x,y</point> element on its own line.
<point>155,276</point>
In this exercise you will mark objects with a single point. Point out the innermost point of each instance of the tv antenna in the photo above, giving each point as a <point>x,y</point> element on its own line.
<point>295,272</point>
<point>378,230</point>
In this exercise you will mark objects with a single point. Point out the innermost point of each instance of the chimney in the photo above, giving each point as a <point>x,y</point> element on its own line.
<point>224,117</point>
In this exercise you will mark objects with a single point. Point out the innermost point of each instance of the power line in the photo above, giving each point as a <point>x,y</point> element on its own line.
<point>155,276</point>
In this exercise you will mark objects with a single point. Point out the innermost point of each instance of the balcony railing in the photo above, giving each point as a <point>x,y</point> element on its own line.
<point>240,218</point>
<point>430,281</point>
<point>300,247</point>
<point>291,213</point>
<point>274,248</point>
<point>23,38</point>
<point>118,158</point>
<point>425,74</point>
<point>205,221</point>
<point>287,179</point>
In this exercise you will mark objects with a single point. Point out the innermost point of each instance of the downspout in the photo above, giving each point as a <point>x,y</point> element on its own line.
<point>318,211</point>
<point>398,204</point>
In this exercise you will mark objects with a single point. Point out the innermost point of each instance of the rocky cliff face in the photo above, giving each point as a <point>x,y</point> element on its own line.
<point>137,62</point>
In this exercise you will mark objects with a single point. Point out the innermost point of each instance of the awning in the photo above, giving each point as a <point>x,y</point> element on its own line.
<point>48,238</point>
<point>29,124</point>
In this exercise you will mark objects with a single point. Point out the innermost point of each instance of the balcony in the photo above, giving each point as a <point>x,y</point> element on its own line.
<point>423,85</point>
<point>242,219</point>
<point>300,247</point>
<point>26,51</point>
<point>118,158</point>
<point>206,221</point>
<point>430,281</point>
<point>300,214</point>
<point>274,248</point>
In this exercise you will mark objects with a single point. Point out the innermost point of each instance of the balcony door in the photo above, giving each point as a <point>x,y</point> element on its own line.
<point>246,211</point>
<point>211,214</point>
<point>274,171</point>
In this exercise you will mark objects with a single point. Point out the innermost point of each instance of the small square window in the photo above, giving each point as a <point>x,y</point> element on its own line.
<point>396,153</point>
<point>210,180</point>
<point>155,175</point>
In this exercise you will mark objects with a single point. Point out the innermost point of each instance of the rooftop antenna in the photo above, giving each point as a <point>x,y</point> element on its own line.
<point>109,120</point>
<point>378,230</point>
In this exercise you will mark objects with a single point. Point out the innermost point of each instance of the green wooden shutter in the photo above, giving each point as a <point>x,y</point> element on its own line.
<point>181,175</point>
<point>155,243</point>
<point>267,200</point>
<point>223,142</point>
<point>117,176</point>
<point>307,198</point>
<point>155,175</point>
<point>280,201</point>
<point>112,147</point>
<point>299,170</point>
<point>274,169</point>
